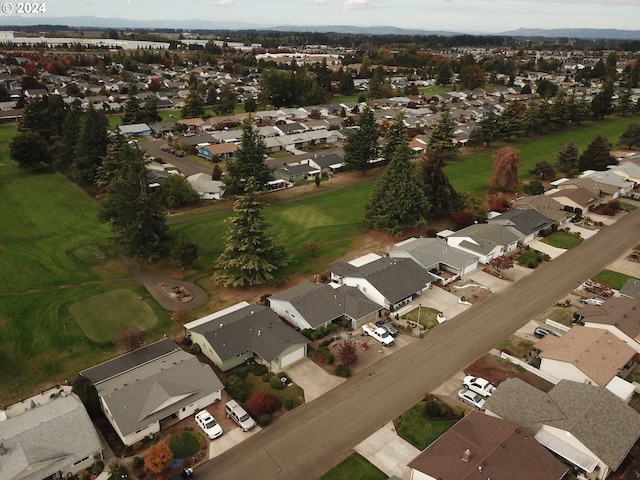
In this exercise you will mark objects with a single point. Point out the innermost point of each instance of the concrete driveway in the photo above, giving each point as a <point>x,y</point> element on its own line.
<point>389,452</point>
<point>229,439</point>
<point>312,378</point>
<point>540,246</point>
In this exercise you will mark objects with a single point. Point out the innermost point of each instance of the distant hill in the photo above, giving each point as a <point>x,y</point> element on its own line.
<point>199,24</point>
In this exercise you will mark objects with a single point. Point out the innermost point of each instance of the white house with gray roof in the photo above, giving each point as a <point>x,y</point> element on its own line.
<point>389,282</point>
<point>48,438</point>
<point>242,332</point>
<point>446,263</point>
<point>526,224</point>
<point>485,240</point>
<point>316,305</point>
<point>144,389</point>
<point>586,425</point>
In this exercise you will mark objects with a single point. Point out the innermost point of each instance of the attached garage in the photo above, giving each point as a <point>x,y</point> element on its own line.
<point>294,356</point>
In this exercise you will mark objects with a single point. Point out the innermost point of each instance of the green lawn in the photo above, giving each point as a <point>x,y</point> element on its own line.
<point>560,313</point>
<point>424,315</point>
<point>615,280</point>
<point>255,384</point>
<point>102,317</point>
<point>516,346</point>
<point>562,240</point>
<point>184,445</point>
<point>419,431</point>
<point>355,467</point>
<point>471,172</point>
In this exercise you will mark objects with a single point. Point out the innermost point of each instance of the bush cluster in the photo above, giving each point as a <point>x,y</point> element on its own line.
<point>263,420</point>
<point>326,355</point>
<point>343,371</point>
<point>258,369</point>
<point>236,388</point>
<point>276,383</point>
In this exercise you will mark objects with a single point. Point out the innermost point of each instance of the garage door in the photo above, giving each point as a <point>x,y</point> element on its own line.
<point>292,357</point>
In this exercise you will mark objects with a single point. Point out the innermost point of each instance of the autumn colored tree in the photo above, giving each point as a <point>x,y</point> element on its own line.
<point>130,339</point>
<point>348,352</point>
<point>499,204</point>
<point>158,458</point>
<point>501,263</point>
<point>263,402</point>
<point>462,219</point>
<point>504,175</point>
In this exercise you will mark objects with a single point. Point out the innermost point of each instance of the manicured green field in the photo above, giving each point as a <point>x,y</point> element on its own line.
<point>103,316</point>
<point>471,173</point>
<point>613,279</point>
<point>562,240</point>
<point>418,430</point>
<point>355,467</point>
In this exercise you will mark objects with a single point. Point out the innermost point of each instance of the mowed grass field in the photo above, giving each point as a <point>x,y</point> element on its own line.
<point>471,172</point>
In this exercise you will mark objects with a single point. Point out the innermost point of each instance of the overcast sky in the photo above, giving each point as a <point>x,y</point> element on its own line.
<point>448,15</point>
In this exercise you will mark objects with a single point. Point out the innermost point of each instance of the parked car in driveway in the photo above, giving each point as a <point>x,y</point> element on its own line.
<point>592,301</point>
<point>467,396</point>
<point>239,415</point>
<point>389,327</point>
<point>540,332</point>
<point>478,385</point>
<point>208,424</point>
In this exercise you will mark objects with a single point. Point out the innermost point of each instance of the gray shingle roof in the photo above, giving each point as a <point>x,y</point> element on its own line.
<point>631,288</point>
<point>395,278</point>
<point>46,439</point>
<point>252,328</point>
<point>319,303</point>
<point>524,221</point>
<point>430,252</point>
<point>593,415</point>
<point>487,235</point>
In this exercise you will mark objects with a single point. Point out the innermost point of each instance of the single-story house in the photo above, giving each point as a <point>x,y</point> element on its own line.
<point>134,130</point>
<point>544,205</point>
<point>207,188</point>
<point>326,163</point>
<point>618,315</point>
<point>526,224</point>
<point>577,198</point>
<point>445,263</point>
<point>140,390</point>
<point>296,172</point>
<point>49,438</point>
<point>241,332</point>
<point>227,136</point>
<point>389,282</point>
<point>316,305</point>
<point>631,288</point>
<point>193,124</point>
<point>289,128</point>
<point>220,150</point>
<point>586,425</point>
<point>486,241</point>
<point>484,446</point>
<point>588,355</point>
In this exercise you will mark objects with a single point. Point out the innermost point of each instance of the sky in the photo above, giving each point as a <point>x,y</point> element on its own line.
<point>469,16</point>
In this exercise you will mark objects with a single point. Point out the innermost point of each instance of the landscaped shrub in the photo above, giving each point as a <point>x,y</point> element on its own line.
<point>332,327</point>
<point>311,334</point>
<point>98,467</point>
<point>607,210</point>
<point>241,372</point>
<point>263,402</point>
<point>158,458</point>
<point>325,343</point>
<point>195,349</point>
<point>287,404</point>
<point>137,462</point>
<point>259,369</point>
<point>343,371</point>
<point>267,376</point>
<point>615,204</point>
<point>263,420</point>
<point>276,383</point>
<point>236,388</point>
<point>326,355</point>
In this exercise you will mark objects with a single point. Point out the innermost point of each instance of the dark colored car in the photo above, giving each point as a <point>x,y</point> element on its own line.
<point>393,331</point>
<point>541,332</point>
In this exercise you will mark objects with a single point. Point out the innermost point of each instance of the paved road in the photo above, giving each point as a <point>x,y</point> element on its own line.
<point>309,440</point>
<point>153,146</point>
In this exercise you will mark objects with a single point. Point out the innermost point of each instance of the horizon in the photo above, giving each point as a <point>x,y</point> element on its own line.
<point>462,16</point>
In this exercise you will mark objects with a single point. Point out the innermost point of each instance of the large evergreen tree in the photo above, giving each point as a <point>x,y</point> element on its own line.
<point>440,192</point>
<point>132,112</point>
<point>631,136</point>
<point>362,143</point>
<point>441,137</point>
<point>194,105</point>
<point>136,216</point>
<point>91,146</point>
<point>70,129</point>
<point>597,155</point>
<point>395,136</point>
<point>398,200</point>
<point>250,257</point>
<point>30,151</point>
<point>567,159</point>
<point>249,161</point>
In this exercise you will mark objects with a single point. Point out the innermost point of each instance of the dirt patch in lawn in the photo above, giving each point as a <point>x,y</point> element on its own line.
<point>497,370</point>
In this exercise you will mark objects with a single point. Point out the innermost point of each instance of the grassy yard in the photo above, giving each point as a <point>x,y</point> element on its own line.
<point>615,280</point>
<point>255,384</point>
<point>418,430</point>
<point>559,313</point>
<point>562,240</point>
<point>355,467</point>
<point>424,315</point>
<point>471,172</point>
<point>531,258</point>
<point>516,346</point>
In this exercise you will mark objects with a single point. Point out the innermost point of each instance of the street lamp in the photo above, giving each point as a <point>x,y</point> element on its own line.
<point>419,310</point>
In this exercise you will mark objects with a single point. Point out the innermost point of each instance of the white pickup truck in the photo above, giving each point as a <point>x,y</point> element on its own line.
<point>379,333</point>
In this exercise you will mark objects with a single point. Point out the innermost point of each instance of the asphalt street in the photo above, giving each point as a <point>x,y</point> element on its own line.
<point>318,435</point>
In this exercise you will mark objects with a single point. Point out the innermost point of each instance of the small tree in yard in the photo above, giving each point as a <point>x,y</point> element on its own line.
<point>347,352</point>
<point>131,339</point>
<point>501,263</point>
<point>263,402</point>
<point>184,253</point>
<point>158,458</point>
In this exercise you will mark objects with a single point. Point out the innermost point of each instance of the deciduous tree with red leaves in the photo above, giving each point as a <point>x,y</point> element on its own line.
<point>263,402</point>
<point>501,263</point>
<point>158,458</point>
<point>347,352</point>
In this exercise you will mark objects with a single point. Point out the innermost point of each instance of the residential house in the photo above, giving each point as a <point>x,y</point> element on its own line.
<point>585,424</point>
<point>217,150</point>
<point>317,305</point>
<point>445,263</point>
<point>544,205</point>
<point>296,172</point>
<point>486,241</point>
<point>618,315</point>
<point>390,282</point>
<point>54,435</point>
<point>243,332</point>
<point>141,391</point>
<point>207,188</point>
<point>482,446</point>
<point>621,185</point>
<point>574,199</point>
<point>588,355</point>
<point>289,128</point>
<point>628,169</point>
<point>597,192</point>
<point>162,128</point>
<point>526,224</point>
<point>233,136</point>
<point>326,163</point>
<point>134,130</point>
<point>193,124</point>
<point>631,288</point>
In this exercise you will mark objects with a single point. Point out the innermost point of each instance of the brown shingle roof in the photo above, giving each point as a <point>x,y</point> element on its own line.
<point>621,312</point>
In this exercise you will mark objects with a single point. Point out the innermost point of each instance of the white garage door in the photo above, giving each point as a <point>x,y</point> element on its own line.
<point>292,357</point>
